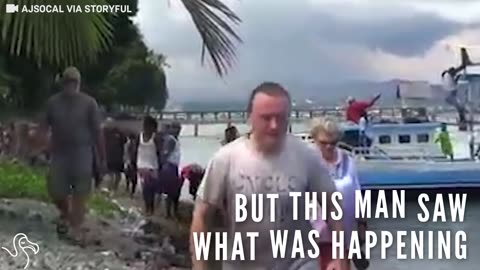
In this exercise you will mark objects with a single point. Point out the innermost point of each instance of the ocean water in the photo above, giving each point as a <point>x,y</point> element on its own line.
<point>201,149</point>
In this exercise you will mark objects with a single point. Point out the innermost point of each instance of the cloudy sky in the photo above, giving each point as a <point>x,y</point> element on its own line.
<point>313,42</point>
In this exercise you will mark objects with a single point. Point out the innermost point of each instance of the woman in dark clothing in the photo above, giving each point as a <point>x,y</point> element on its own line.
<point>97,176</point>
<point>231,134</point>
<point>115,145</point>
<point>130,164</point>
<point>170,180</point>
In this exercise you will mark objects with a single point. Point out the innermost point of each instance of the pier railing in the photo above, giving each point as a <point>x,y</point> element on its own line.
<point>197,118</point>
<point>238,116</point>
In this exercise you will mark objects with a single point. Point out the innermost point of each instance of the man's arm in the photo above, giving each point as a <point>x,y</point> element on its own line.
<point>97,131</point>
<point>44,129</point>
<point>361,222</point>
<point>202,212</point>
<point>210,196</point>
<point>169,146</point>
<point>374,100</point>
<point>323,184</point>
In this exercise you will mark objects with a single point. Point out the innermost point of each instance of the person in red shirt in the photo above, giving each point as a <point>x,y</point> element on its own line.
<point>356,109</point>
<point>194,173</point>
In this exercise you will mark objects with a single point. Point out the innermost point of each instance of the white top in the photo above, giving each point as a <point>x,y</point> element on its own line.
<point>346,181</point>
<point>174,157</point>
<point>126,147</point>
<point>472,136</point>
<point>362,124</point>
<point>147,154</point>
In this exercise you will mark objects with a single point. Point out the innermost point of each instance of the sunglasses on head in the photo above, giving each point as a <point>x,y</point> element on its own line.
<point>331,143</point>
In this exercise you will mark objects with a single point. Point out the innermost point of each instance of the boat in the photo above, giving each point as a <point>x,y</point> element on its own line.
<point>403,155</point>
<point>401,152</point>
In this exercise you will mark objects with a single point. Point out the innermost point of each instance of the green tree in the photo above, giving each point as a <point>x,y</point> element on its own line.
<point>25,85</point>
<point>136,82</point>
<point>65,39</point>
<point>126,43</point>
<point>58,39</point>
<point>160,60</point>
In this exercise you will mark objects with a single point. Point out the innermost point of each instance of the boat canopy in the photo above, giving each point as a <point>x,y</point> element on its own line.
<point>417,90</point>
<point>395,127</point>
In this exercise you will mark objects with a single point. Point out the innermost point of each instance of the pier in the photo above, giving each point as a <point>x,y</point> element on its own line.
<point>237,117</point>
<point>198,119</point>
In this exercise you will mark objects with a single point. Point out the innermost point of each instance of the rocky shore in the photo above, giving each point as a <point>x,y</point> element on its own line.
<point>121,242</point>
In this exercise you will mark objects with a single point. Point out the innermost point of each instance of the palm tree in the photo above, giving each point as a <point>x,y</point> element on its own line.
<point>159,60</point>
<point>62,39</point>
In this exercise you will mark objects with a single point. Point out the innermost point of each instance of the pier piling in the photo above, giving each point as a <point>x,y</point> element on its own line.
<point>195,130</point>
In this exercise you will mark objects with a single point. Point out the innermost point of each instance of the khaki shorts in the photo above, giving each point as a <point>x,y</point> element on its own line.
<point>70,176</point>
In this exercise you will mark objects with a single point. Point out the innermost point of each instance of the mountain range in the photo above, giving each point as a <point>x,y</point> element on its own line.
<point>333,94</point>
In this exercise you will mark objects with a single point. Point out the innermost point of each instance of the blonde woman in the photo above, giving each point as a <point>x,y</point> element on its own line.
<point>326,134</point>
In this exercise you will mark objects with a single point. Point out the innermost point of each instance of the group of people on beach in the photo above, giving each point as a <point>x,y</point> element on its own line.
<point>81,147</point>
<point>79,143</point>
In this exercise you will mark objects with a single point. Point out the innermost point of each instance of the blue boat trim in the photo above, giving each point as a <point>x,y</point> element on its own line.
<point>421,186</point>
<point>393,170</point>
<point>389,127</point>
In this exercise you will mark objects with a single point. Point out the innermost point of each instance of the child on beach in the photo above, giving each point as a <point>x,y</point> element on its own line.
<point>445,142</point>
<point>148,162</point>
<point>471,144</point>
<point>170,180</point>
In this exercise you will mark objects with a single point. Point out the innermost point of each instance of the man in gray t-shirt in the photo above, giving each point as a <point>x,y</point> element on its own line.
<point>74,122</point>
<point>265,161</point>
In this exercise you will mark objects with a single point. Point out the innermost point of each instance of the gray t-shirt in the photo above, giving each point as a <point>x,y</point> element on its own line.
<point>74,120</point>
<point>238,169</point>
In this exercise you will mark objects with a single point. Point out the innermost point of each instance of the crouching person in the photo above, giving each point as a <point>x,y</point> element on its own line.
<point>194,174</point>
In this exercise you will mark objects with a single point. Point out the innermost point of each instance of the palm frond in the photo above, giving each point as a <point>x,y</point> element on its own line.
<point>57,39</point>
<point>213,21</point>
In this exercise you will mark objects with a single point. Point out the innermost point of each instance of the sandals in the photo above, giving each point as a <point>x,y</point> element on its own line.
<point>81,239</point>
<point>361,263</point>
<point>76,238</point>
<point>62,227</point>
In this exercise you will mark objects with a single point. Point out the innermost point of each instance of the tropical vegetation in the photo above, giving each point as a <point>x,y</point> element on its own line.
<point>21,181</point>
<point>116,65</point>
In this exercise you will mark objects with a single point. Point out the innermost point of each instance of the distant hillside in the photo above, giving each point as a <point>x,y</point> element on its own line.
<point>220,105</point>
<point>313,95</point>
<point>336,94</point>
